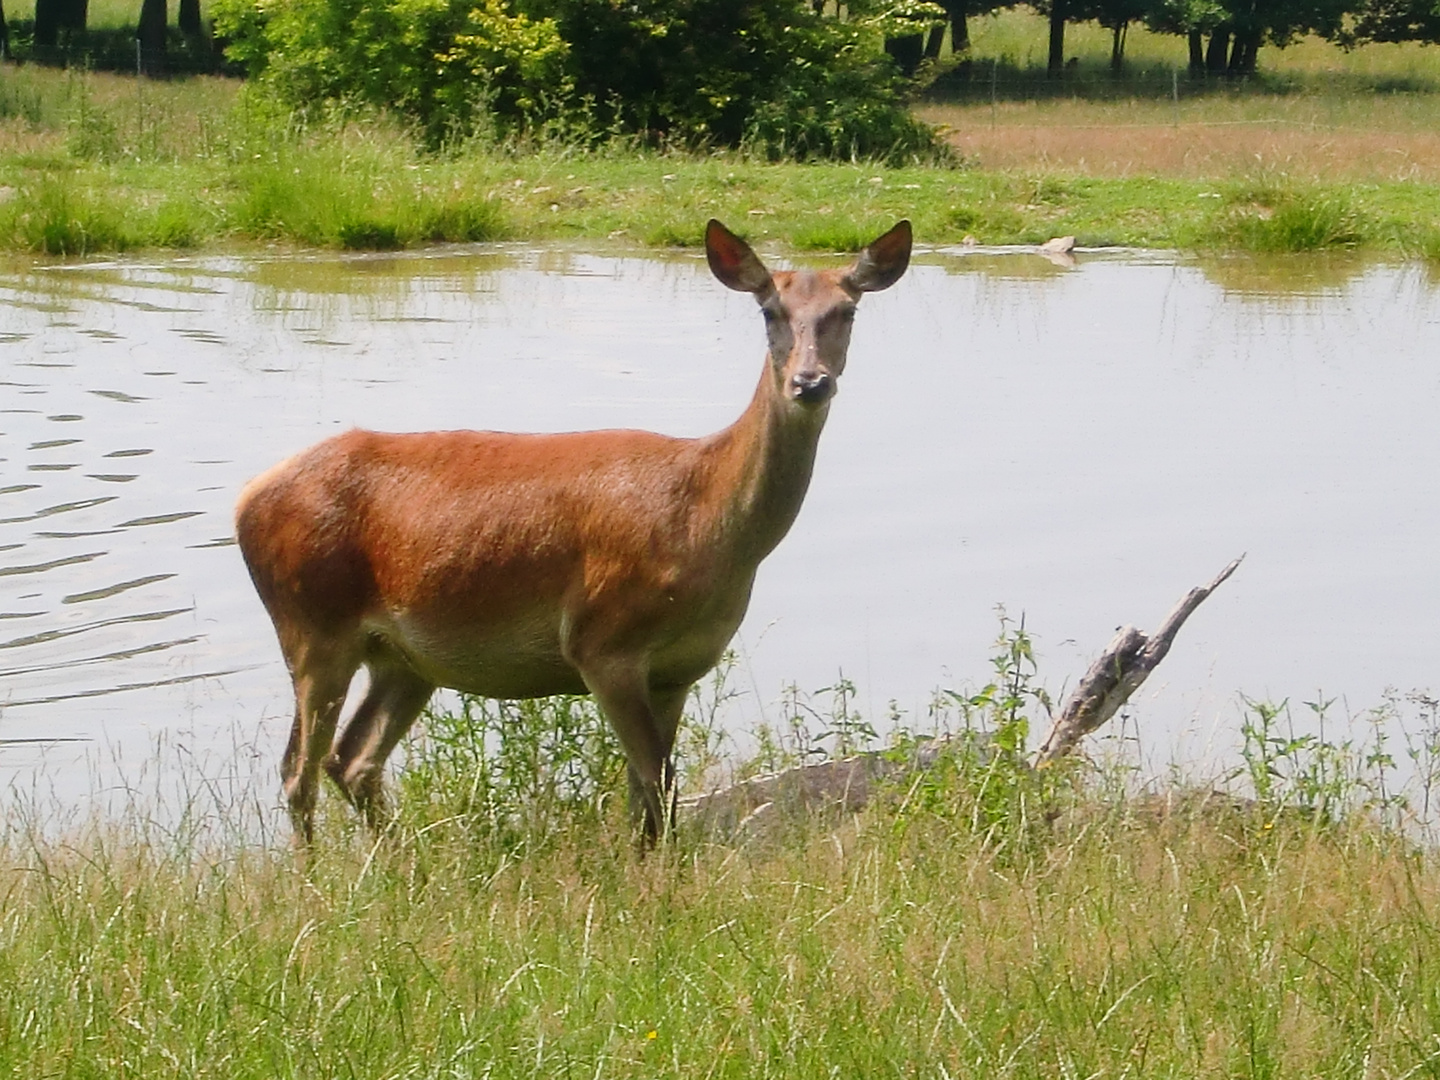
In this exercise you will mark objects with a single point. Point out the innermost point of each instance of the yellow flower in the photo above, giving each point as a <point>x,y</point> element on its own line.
<point>652,1034</point>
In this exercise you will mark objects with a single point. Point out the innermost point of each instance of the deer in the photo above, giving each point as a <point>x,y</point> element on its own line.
<point>616,563</point>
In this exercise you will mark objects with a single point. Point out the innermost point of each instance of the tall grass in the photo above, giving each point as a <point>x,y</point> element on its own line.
<point>979,920</point>
<point>985,921</point>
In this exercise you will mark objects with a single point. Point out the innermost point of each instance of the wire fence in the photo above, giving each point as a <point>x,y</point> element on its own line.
<point>119,49</point>
<point>1000,81</point>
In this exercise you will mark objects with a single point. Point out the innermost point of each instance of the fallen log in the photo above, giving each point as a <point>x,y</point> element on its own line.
<point>847,784</point>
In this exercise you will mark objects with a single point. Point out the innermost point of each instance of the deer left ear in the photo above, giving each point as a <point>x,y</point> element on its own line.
<point>883,262</point>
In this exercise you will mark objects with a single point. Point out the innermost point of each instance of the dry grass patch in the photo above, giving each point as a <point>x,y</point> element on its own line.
<point>1196,151</point>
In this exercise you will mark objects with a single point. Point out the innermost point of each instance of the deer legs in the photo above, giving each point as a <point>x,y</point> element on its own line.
<point>357,763</point>
<point>321,679</point>
<point>356,759</point>
<point>645,720</point>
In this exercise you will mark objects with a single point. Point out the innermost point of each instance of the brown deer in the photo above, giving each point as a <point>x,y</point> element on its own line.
<point>617,563</point>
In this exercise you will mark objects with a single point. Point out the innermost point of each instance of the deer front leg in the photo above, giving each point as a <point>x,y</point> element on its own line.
<point>647,738</point>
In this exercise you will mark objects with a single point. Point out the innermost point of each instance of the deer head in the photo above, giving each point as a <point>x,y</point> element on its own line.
<point>808,313</point>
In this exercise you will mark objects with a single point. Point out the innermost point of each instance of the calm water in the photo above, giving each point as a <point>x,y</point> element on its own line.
<point>1079,445</point>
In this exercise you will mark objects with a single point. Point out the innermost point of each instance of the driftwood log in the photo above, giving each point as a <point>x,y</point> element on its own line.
<point>1126,663</point>
<point>847,784</point>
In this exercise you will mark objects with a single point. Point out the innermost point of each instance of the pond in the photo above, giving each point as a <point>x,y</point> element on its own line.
<point>1079,444</point>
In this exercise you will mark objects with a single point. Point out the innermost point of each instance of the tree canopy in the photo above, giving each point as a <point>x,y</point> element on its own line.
<point>775,75</point>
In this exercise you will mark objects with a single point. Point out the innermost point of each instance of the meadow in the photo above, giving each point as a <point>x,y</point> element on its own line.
<point>1325,149</point>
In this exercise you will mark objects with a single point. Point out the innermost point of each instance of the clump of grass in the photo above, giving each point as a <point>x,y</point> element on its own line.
<point>58,216</point>
<point>1274,219</point>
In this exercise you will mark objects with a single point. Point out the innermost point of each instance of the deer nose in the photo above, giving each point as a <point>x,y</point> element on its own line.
<point>812,387</point>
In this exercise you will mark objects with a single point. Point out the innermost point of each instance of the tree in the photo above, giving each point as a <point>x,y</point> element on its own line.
<point>957,14</point>
<point>1115,16</point>
<point>1191,19</point>
<point>1055,65</point>
<point>4,34</point>
<point>188,19</point>
<point>904,25</point>
<point>1397,20</point>
<point>55,19</point>
<point>1238,28</point>
<point>150,36</point>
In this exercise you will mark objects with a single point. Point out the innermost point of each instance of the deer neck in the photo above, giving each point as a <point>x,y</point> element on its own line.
<point>760,468</point>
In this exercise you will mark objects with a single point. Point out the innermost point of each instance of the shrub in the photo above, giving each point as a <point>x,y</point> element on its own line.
<point>436,61</point>
<point>769,74</point>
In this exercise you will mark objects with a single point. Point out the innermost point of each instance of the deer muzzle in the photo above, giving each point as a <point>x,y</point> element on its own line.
<point>812,387</point>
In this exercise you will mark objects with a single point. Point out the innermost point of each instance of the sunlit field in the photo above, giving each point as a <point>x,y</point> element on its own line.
<point>1313,112</point>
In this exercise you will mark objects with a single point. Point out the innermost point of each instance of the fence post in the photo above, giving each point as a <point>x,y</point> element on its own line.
<point>994,77</point>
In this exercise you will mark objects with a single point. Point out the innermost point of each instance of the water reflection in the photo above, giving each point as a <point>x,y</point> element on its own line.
<point>1080,444</point>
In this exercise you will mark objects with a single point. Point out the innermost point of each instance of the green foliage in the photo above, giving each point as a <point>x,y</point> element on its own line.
<point>985,780</point>
<point>767,73</point>
<point>1321,778</point>
<point>445,63</point>
<point>841,106</point>
<point>511,770</point>
<point>55,216</point>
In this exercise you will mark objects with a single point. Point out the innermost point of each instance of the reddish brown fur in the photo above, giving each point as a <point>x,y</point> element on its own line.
<point>612,562</point>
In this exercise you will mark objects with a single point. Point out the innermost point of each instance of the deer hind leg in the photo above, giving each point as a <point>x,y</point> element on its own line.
<point>321,676</point>
<point>357,762</point>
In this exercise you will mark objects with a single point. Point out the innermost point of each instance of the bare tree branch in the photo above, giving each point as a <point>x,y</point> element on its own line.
<point>1126,663</point>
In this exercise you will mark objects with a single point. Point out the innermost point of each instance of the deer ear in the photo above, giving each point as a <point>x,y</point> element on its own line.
<point>732,261</point>
<point>882,263</point>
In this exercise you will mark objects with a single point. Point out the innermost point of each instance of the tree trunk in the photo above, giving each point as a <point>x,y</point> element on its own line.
<point>907,51</point>
<point>1197,53</point>
<point>959,29</point>
<point>4,34</point>
<point>1117,48</point>
<point>150,34</point>
<point>1056,66</point>
<point>1243,53</point>
<point>1216,55</point>
<point>47,26</point>
<point>73,15</point>
<point>933,42</point>
<point>188,19</point>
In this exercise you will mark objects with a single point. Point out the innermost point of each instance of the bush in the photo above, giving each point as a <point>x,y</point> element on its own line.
<point>440,62</point>
<point>769,74</point>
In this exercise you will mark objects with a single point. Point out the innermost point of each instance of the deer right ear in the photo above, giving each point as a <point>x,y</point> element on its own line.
<point>732,261</point>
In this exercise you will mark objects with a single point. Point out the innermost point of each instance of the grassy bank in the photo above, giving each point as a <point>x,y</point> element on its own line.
<point>92,163</point>
<point>984,922</point>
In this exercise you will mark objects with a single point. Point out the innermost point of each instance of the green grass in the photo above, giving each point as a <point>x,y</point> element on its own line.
<point>981,920</point>
<point>984,922</point>
<point>92,163</point>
